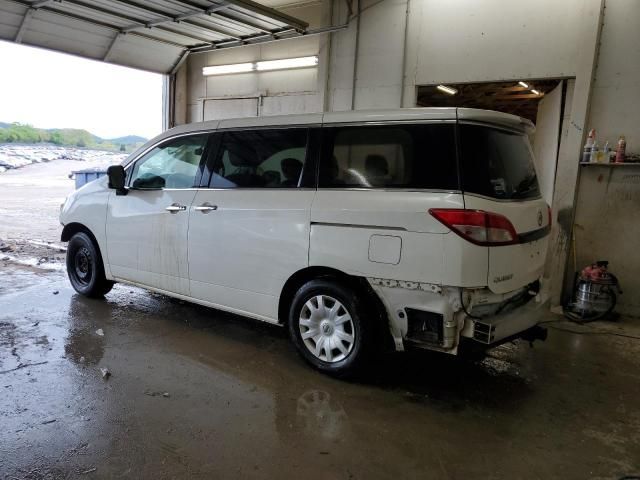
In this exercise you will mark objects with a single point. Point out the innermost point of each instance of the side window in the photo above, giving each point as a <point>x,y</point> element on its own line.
<point>260,159</point>
<point>172,164</point>
<point>418,156</point>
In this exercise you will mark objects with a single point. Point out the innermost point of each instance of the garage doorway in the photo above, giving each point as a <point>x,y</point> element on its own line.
<point>542,101</point>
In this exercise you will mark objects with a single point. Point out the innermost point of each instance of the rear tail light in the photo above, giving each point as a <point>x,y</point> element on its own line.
<point>477,226</point>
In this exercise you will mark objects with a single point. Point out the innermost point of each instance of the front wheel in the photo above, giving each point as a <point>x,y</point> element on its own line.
<point>84,267</point>
<point>327,326</point>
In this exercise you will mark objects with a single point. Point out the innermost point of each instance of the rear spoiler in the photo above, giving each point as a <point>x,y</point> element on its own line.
<point>496,118</point>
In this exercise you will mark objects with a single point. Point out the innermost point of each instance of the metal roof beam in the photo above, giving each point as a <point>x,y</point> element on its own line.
<point>176,19</point>
<point>265,39</point>
<point>26,20</point>
<point>40,3</point>
<point>251,7</point>
<point>167,18</point>
<point>139,24</point>
<point>98,23</point>
<point>179,62</point>
<point>271,13</point>
<point>107,55</point>
<point>218,13</point>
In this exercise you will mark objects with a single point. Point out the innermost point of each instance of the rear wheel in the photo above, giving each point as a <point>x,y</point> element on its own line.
<point>85,268</point>
<point>328,326</point>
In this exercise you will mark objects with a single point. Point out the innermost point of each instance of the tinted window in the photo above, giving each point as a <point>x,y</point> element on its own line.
<point>497,163</point>
<point>260,159</point>
<point>394,156</point>
<point>173,164</point>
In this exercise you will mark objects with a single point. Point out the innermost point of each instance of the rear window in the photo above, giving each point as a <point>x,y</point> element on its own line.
<point>497,163</point>
<point>389,156</point>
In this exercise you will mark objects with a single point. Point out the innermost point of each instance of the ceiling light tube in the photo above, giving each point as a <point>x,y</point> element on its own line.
<point>226,69</point>
<point>262,66</point>
<point>523,84</point>
<point>535,91</point>
<point>287,63</point>
<point>448,90</point>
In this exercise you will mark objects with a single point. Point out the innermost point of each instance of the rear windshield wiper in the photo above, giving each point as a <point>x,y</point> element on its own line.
<point>525,187</point>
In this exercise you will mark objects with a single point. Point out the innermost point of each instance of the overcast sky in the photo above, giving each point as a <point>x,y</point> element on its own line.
<point>52,90</point>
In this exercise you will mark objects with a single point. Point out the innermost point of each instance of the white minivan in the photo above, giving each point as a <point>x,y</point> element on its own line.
<point>356,230</point>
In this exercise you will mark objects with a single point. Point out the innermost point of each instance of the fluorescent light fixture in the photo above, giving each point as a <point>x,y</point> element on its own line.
<point>287,63</point>
<point>263,66</point>
<point>445,89</point>
<point>535,91</point>
<point>225,69</point>
<point>523,84</point>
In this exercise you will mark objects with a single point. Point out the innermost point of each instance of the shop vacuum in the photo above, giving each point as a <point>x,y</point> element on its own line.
<point>593,295</point>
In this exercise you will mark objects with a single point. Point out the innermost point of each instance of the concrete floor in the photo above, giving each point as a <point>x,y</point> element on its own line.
<point>196,393</point>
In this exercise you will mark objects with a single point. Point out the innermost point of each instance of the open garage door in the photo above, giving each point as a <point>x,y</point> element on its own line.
<point>545,142</point>
<point>153,35</point>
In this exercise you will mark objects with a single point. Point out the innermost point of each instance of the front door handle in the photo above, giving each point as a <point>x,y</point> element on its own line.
<point>206,207</point>
<point>175,208</point>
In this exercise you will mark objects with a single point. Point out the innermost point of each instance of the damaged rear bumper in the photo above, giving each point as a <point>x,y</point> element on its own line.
<point>520,322</point>
<point>433,317</point>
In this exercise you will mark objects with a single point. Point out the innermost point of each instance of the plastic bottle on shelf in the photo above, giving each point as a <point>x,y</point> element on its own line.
<point>591,138</point>
<point>620,152</point>
<point>594,153</point>
<point>606,153</point>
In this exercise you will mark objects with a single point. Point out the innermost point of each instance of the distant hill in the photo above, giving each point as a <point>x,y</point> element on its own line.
<point>128,140</point>
<point>20,133</point>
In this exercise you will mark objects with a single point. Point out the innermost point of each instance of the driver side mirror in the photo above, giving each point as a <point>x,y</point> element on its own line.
<point>117,177</point>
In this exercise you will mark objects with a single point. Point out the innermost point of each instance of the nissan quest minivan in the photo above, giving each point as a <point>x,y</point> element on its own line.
<point>357,231</point>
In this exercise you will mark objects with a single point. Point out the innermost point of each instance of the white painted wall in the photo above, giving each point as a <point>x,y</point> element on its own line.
<point>471,41</point>
<point>607,223</point>
<point>615,103</point>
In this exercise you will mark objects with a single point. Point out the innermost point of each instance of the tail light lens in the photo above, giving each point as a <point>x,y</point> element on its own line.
<point>477,226</point>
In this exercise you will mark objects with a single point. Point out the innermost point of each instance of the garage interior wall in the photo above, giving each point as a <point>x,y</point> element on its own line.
<point>607,222</point>
<point>299,91</point>
<point>389,48</point>
<point>400,44</point>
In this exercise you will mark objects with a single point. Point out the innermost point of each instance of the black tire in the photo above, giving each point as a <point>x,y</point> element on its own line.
<point>360,326</point>
<point>85,268</point>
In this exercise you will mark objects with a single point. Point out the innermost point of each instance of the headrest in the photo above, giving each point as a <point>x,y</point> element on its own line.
<point>376,165</point>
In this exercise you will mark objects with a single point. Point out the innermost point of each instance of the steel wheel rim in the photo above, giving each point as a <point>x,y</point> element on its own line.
<point>82,265</point>
<point>327,329</point>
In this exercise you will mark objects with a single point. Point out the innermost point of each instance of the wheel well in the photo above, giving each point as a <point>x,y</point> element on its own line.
<point>71,229</point>
<point>359,284</point>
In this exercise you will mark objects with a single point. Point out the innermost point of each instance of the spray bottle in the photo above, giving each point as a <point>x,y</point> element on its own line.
<point>620,152</point>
